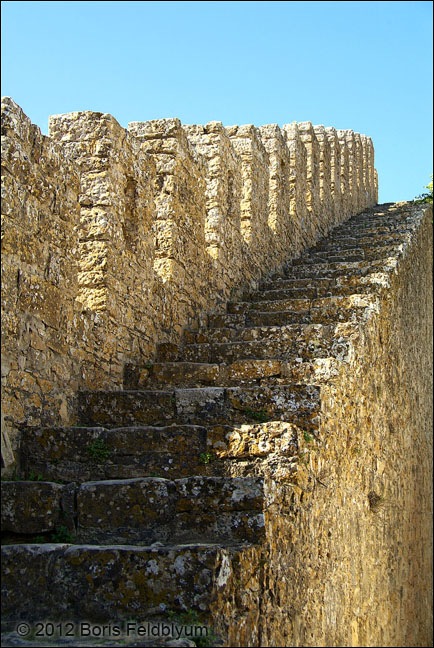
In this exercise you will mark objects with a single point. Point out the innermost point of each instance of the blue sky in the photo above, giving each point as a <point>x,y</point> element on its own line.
<point>360,65</point>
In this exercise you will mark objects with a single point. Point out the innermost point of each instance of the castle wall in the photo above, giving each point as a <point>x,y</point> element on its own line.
<point>117,239</point>
<point>349,554</point>
<point>40,266</point>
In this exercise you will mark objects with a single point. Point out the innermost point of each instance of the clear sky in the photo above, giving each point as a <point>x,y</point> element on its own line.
<point>360,65</point>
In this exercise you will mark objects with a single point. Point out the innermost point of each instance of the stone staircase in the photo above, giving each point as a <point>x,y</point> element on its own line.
<point>157,504</point>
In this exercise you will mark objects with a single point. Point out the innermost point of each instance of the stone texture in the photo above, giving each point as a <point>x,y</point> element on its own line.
<point>29,507</point>
<point>115,240</point>
<point>139,582</point>
<point>271,472</point>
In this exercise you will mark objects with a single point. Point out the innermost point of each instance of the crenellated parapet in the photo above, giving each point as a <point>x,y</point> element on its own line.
<point>117,238</point>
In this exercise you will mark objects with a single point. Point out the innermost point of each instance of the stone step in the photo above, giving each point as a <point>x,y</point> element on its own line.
<point>336,269</point>
<point>338,285</point>
<point>30,508</point>
<point>385,211</point>
<point>287,332</point>
<point>298,404</point>
<point>372,253</point>
<point>362,221</point>
<point>313,292</point>
<point>300,313</point>
<point>117,582</point>
<point>278,282</point>
<point>346,255</point>
<point>243,372</point>
<point>228,353</point>
<point>373,226</point>
<point>89,453</point>
<point>137,511</point>
<point>191,374</point>
<point>385,218</point>
<point>285,343</point>
<point>273,294</point>
<point>346,304</point>
<point>293,305</point>
<point>265,354</point>
<point>256,318</point>
<point>61,454</point>
<point>385,252</point>
<point>335,244</point>
<point>371,231</point>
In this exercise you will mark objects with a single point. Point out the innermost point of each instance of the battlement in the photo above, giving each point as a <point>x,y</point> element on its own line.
<point>115,239</point>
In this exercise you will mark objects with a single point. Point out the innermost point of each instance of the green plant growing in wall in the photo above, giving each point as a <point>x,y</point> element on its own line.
<point>261,415</point>
<point>99,452</point>
<point>62,535</point>
<point>35,477</point>
<point>427,196</point>
<point>206,457</point>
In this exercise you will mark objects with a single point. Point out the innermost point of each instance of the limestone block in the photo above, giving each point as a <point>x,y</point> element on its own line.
<point>313,199</point>
<point>298,184</point>
<point>325,171</point>
<point>31,508</point>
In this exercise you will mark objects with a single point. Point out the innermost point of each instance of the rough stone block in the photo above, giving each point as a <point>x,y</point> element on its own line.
<point>31,507</point>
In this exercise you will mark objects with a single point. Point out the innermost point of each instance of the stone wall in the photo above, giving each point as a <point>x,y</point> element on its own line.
<point>40,266</point>
<point>349,552</point>
<point>114,239</point>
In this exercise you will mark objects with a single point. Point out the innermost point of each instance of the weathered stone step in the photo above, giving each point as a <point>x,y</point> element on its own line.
<point>62,454</point>
<point>312,341</point>
<point>287,332</point>
<point>337,285</point>
<point>358,227</point>
<point>387,212</point>
<point>335,244</point>
<point>192,374</point>
<point>107,583</point>
<point>282,283</point>
<point>242,372</point>
<point>293,305</point>
<point>265,354</point>
<point>336,269</point>
<point>138,511</point>
<point>363,221</point>
<point>313,292</point>
<point>273,294</point>
<point>253,315</point>
<point>185,374</point>
<point>298,404</point>
<point>373,232</point>
<point>88,453</point>
<point>346,255</point>
<point>366,251</point>
<point>36,507</point>
<point>372,253</point>
<point>346,305</point>
<point>256,318</point>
